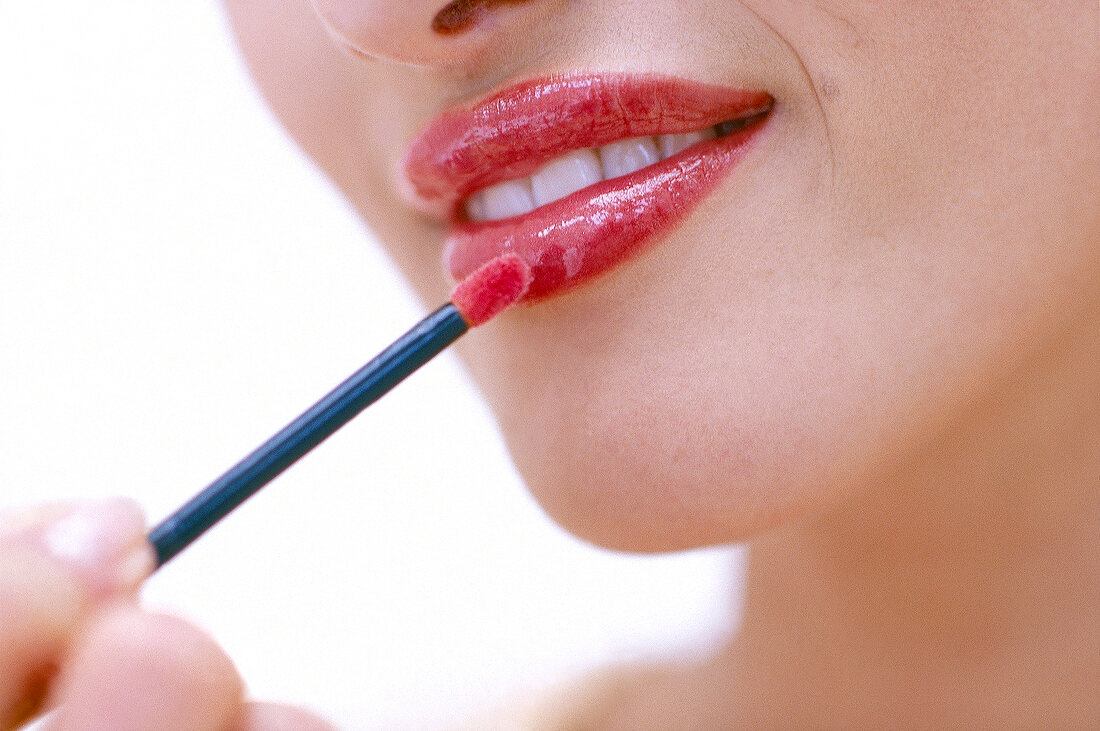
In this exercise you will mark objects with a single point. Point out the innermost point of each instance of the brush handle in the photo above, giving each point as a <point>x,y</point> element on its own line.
<point>412,350</point>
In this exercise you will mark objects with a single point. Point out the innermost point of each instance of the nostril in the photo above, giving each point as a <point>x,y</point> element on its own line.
<point>461,15</point>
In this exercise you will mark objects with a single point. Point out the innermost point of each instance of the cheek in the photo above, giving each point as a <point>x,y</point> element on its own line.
<point>327,100</point>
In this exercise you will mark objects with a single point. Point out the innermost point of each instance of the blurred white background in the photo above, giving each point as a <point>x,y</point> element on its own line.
<point>177,282</point>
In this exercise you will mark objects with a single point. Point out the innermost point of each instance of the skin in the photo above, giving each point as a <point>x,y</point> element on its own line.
<point>73,639</point>
<point>781,362</point>
<point>871,353</point>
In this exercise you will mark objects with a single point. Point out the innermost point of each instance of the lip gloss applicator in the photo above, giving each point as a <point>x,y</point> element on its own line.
<point>490,290</point>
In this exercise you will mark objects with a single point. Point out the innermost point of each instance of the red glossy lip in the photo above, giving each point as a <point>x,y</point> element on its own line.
<point>513,133</point>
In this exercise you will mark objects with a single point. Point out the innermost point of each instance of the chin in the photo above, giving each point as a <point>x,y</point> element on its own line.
<point>633,436</point>
<point>652,476</point>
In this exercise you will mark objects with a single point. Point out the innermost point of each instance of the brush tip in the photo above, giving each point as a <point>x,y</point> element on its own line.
<point>494,287</point>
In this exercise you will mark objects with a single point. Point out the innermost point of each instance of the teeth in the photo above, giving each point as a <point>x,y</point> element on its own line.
<point>568,174</point>
<point>626,156</point>
<point>673,144</point>
<point>475,207</point>
<point>503,200</point>
<point>580,169</point>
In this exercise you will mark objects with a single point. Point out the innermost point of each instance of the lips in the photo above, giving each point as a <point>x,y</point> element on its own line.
<point>578,173</point>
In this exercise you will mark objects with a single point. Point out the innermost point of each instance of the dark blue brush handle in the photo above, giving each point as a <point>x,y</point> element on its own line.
<point>412,350</point>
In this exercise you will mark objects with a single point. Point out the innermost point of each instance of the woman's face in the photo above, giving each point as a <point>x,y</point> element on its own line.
<point>914,220</point>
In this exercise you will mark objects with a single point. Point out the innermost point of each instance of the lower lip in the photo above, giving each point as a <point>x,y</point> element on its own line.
<point>571,241</point>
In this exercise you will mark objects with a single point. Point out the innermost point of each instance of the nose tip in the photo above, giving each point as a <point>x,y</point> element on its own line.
<point>433,33</point>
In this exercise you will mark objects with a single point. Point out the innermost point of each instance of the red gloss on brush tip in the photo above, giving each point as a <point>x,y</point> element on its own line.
<point>494,287</point>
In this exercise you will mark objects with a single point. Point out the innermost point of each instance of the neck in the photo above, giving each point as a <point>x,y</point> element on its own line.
<point>964,589</point>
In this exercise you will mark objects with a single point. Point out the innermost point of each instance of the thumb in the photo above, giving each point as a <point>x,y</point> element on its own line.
<point>56,561</point>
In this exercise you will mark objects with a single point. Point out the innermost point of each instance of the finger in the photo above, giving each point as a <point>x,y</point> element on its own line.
<point>101,544</point>
<point>278,717</point>
<point>55,561</point>
<point>39,609</point>
<point>135,670</point>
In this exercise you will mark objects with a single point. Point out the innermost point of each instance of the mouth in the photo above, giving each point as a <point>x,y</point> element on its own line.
<point>578,173</point>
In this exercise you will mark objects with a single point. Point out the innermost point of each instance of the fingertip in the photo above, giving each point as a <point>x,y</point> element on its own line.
<point>40,608</point>
<point>100,542</point>
<point>103,542</point>
<point>57,562</point>
<point>134,669</point>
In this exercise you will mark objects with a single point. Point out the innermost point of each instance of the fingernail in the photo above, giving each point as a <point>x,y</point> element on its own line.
<point>135,566</point>
<point>102,542</point>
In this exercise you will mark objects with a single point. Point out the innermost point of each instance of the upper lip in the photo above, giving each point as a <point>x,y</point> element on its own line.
<point>512,132</point>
